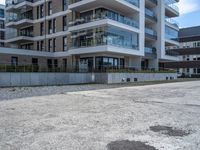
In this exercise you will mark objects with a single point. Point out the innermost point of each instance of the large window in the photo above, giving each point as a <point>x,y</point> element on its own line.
<point>41,28</point>
<point>50,45</point>
<point>54,25</point>
<point>108,62</point>
<point>64,43</point>
<point>171,34</point>
<point>65,5</point>
<point>49,7</point>
<point>14,60</point>
<point>2,14</point>
<point>41,11</point>
<point>64,23</point>
<point>50,27</point>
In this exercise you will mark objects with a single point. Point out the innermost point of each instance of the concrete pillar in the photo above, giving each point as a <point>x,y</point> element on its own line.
<point>135,62</point>
<point>154,64</point>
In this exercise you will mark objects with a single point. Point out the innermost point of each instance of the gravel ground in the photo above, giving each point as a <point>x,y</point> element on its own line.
<point>162,116</point>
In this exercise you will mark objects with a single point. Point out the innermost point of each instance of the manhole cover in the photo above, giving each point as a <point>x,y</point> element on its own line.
<point>169,131</point>
<point>129,145</point>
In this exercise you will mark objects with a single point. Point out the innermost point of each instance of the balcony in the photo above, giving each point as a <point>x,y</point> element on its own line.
<point>172,23</point>
<point>150,52</point>
<point>127,6</point>
<point>151,3</point>
<point>150,15</point>
<point>20,37</point>
<point>150,34</point>
<point>102,39</point>
<point>21,21</point>
<point>14,6</point>
<point>171,36</point>
<point>172,9</point>
<point>105,15</point>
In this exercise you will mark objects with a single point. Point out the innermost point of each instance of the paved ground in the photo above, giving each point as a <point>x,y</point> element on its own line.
<point>163,116</point>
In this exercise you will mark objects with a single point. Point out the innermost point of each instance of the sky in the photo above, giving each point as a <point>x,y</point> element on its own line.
<point>189,13</point>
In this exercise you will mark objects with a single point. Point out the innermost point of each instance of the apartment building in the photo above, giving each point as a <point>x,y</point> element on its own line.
<point>188,52</point>
<point>2,25</point>
<point>91,34</point>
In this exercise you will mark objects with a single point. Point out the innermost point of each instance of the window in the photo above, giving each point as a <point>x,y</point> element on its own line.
<point>38,12</point>
<point>50,45</point>
<point>41,45</point>
<point>54,25</point>
<point>55,63</point>
<point>14,61</point>
<point>64,5</point>
<point>50,27</point>
<point>64,63</point>
<point>41,28</point>
<point>38,45</point>
<point>34,61</point>
<point>28,46</point>
<point>54,45</point>
<point>41,11</point>
<point>49,63</point>
<point>195,70</point>
<point>64,43</point>
<point>64,23</point>
<point>50,8</point>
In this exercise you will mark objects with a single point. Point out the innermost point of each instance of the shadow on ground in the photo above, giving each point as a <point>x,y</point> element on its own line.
<point>170,131</point>
<point>129,145</point>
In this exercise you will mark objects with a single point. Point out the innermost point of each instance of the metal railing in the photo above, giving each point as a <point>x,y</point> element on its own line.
<point>27,68</point>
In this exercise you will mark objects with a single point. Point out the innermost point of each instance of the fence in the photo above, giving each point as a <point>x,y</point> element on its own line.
<point>78,69</point>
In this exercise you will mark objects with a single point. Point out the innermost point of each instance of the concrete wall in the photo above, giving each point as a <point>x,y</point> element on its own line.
<point>39,79</point>
<point>110,78</point>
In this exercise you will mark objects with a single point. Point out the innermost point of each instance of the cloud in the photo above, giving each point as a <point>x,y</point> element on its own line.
<point>2,1</point>
<point>188,6</point>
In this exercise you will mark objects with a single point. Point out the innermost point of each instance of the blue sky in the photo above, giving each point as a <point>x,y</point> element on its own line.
<point>189,10</point>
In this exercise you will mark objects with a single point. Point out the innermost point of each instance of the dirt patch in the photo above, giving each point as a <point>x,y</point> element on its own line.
<point>169,131</point>
<point>129,145</point>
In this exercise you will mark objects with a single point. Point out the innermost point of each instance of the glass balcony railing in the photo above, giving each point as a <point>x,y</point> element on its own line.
<point>15,2</point>
<point>150,14</point>
<point>148,50</point>
<point>15,19</point>
<point>172,5</point>
<point>15,35</point>
<point>91,18</point>
<point>150,33</point>
<point>154,1</point>
<point>172,22</point>
<point>171,34</point>
<point>107,35</point>
<point>133,2</point>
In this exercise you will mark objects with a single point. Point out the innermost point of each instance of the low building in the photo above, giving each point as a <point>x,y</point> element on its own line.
<point>188,52</point>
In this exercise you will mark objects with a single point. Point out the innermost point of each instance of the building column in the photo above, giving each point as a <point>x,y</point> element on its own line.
<point>135,62</point>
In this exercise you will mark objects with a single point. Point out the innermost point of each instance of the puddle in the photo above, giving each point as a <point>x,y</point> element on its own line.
<point>169,131</point>
<point>129,145</point>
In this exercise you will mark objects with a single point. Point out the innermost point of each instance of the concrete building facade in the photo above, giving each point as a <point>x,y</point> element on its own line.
<point>90,34</point>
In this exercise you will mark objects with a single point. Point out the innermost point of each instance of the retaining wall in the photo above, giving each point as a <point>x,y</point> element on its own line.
<point>110,78</point>
<point>42,79</point>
